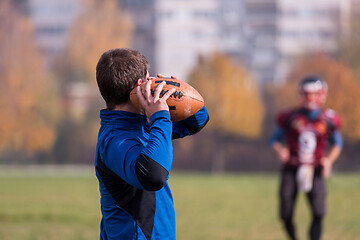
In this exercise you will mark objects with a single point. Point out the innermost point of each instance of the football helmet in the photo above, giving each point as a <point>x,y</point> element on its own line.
<point>313,92</point>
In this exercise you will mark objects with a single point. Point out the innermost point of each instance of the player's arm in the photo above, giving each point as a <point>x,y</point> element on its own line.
<point>333,154</point>
<point>146,166</point>
<point>153,164</point>
<point>337,143</point>
<point>280,150</point>
<point>191,125</point>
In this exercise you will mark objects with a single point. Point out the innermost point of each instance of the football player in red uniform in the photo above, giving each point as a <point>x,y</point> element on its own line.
<point>300,143</point>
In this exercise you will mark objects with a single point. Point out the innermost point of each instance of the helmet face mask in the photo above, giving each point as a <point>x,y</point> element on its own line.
<point>312,91</point>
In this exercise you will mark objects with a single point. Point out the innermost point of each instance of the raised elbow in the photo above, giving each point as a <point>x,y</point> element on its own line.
<point>151,174</point>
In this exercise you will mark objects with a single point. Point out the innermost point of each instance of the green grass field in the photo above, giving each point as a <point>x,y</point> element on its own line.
<point>234,206</point>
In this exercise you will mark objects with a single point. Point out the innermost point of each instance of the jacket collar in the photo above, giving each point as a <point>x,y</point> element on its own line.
<point>123,118</point>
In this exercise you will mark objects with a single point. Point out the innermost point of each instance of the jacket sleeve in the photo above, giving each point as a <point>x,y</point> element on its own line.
<point>154,162</point>
<point>145,166</point>
<point>191,125</point>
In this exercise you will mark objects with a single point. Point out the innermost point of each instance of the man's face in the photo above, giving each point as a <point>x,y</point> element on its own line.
<point>313,94</point>
<point>312,100</point>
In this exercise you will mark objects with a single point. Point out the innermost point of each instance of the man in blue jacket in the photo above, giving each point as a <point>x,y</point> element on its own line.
<point>134,150</point>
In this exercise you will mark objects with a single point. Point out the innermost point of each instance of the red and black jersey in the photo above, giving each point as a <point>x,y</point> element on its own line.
<point>307,133</point>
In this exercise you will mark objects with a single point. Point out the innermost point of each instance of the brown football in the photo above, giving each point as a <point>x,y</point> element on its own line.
<point>183,103</point>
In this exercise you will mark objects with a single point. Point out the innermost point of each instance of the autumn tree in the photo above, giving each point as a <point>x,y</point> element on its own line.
<point>232,98</point>
<point>101,26</point>
<point>28,99</point>
<point>343,93</point>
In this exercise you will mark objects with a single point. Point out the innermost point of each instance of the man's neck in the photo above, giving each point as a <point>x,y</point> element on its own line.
<point>128,107</point>
<point>312,113</point>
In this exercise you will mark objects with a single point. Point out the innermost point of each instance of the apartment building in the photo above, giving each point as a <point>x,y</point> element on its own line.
<point>261,36</point>
<point>266,35</point>
<point>305,27</point>
<point>52,20</point>
<point>172,34</point>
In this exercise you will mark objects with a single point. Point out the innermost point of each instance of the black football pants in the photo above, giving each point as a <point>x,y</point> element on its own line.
<point>316,198</point>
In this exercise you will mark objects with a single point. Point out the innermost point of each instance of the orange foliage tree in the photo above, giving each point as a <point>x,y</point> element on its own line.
<point>231,96</point>
<point>233,102</point>
<point>101,25</point>
<point>343,93</point>
<point>27,97</point>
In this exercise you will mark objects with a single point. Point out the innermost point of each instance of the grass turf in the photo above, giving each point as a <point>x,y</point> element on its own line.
<point>212,207</point>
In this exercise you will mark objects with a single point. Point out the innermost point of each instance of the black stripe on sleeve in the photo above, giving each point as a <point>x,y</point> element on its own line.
<point>151,174</point>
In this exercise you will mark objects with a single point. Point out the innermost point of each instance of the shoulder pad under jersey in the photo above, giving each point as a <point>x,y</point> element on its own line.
<point>331,116</point>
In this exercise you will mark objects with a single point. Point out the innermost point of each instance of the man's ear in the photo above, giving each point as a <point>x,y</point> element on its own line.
<point>138,82</point>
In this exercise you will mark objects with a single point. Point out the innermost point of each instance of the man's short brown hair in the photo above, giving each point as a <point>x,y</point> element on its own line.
<point>117,72</point>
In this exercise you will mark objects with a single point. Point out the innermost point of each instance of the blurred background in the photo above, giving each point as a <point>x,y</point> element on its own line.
<point>244,56</point>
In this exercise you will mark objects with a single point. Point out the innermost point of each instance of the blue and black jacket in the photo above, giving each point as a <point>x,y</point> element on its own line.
<point>133,162</point>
